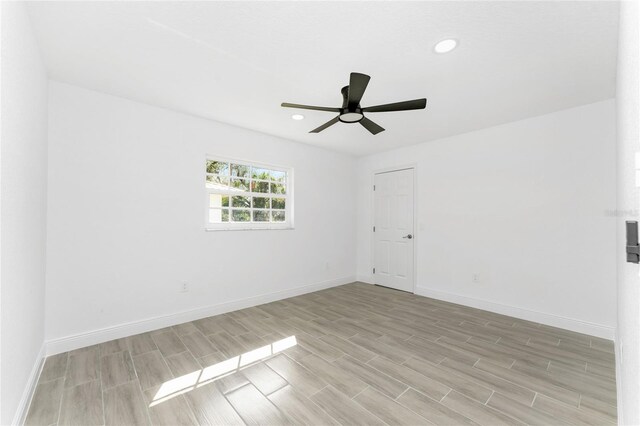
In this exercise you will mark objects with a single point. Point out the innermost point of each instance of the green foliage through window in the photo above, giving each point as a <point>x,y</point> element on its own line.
<point>241,201</point>
<point>218,167</point>
<point>261,203</point>
<point>278,203</point>
<point>241,215</point>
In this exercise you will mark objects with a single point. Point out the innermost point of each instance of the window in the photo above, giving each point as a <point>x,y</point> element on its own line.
<point>243,195</point>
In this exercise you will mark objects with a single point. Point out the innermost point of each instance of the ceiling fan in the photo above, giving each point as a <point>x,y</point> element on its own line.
<point>352,112</point>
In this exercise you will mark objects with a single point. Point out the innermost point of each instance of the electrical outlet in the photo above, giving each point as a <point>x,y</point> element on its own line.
<point>184,287</point>
<point>475,278</point>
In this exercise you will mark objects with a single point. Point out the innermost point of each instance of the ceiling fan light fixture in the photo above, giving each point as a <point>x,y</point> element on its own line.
<point>446,45</point>
<point>297,117</point>
<point>351,117</point>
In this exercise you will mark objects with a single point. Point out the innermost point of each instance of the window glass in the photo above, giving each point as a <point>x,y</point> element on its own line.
<point>218,215</point>
<point>277,216</point>
<point>258,186</point>
<point>241,215</point>
<point>277,188</point>
<point>267,174</point>
<point>261,216</point>
<point>217,167</point>
<point>240,171</point>
<point>278,203</point>
<point>261,203</point>
<point>240,201</point>
<point>240,184</point>
<point>219,182</point>
<point>218,200</point>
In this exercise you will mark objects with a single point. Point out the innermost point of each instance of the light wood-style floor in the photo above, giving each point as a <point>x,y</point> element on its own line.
<point>355,354</point>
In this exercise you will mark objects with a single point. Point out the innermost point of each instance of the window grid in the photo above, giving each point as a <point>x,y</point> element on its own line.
<point>246,195</point>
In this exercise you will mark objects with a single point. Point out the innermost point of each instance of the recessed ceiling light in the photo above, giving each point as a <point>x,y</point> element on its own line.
<point>446,45</point>
<point>297,116</point>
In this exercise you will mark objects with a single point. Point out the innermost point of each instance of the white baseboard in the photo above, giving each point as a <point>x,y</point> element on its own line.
<point>367,279</point>
<point>68,343</point>
<point>29,389</point>
<point>522,313</point>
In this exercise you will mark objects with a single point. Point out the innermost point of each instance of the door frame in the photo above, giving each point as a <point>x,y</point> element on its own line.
<point>406,166</point>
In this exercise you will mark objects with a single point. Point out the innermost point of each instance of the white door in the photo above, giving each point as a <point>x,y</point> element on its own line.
<point>393,229</point>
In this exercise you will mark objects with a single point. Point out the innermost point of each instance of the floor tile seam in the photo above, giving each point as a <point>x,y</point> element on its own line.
<point>64,381</point>
<point>174,376</point>
<point>144,401</point>
<point>529,389</point>
<point>569,406</point>
<point>364,408</point>
<point>104,419</point>
<point>510,415</point>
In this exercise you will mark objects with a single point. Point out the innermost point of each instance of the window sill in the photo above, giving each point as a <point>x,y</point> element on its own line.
<point>251,228</point>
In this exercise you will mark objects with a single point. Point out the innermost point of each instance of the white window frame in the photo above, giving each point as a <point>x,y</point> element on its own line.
<point>239,226</point>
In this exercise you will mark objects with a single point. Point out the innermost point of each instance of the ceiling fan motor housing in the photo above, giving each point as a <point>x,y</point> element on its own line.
<point>347,116</point>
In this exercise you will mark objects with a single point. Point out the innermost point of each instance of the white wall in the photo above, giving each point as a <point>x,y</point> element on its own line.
<point>126,216</point>
<point>23,212</point>
<point>525,206</point>
<point>628,113</point>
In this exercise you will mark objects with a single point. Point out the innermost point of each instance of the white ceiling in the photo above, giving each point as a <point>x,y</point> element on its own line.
<point>237,61</point>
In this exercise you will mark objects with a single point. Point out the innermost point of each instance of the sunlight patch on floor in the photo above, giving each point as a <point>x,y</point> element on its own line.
<point>188,382</point>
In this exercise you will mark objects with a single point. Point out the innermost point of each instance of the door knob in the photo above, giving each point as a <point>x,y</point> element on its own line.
<point>409,236</point>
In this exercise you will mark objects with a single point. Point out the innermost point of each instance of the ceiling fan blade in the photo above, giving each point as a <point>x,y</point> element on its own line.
<point>357,85</point>
<point>398,106</point>
<point>325,125</point>
<point>371,126</point>
<point>315,108</point>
